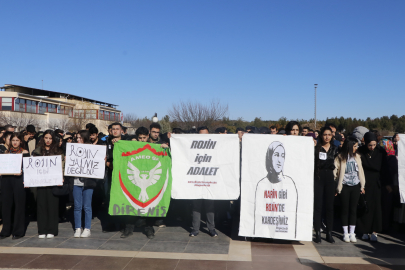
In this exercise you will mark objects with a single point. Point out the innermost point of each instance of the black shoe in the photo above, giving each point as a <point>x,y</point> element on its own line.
<point>126,234</point>
<point>329,238</point>
<point>317,237</point>
<point>193,233</point>
<point>150,232</point>
<point>17,237</point>
<point>213,233</point>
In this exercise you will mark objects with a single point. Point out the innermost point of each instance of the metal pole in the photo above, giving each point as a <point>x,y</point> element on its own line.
<point>316,85</point>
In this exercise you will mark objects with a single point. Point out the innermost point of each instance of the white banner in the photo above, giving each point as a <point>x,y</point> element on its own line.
<point>205,166</point>
<point>277,187</point>
<point>401,166</point>
<point>85,160</point>
<point>10,164</point>
<point>43,171</point>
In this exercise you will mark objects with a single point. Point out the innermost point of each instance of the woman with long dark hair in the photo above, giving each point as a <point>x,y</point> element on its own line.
<point>82,195</point>
<point>374,160</point>
<point>293,128</point>
<point>350,175</point>
<point>47,203</point>
<point>324,183</point>
<point>13,194</point>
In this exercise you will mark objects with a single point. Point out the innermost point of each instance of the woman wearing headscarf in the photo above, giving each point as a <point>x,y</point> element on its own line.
<point>374,161</point>
<point>324,183</point>
<point>265,199</point>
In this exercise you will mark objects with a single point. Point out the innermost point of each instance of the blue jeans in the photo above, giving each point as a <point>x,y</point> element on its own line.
<point>82,200</point>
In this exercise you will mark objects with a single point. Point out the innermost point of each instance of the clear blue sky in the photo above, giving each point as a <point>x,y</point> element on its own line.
<point>261,58</point>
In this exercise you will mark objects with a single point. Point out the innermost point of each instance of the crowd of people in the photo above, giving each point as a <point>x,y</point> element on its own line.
<point>356,173</point>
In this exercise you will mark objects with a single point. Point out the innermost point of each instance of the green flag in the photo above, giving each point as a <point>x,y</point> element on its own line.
<point>141,181</point>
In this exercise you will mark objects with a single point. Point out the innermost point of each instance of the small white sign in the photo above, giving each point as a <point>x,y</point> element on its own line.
<point>85,160</point>
<point>43,171</point>
<point>10,164</point>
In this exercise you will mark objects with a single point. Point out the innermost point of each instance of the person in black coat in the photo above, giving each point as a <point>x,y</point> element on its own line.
<point>374,161</point>
<point>324,183</point>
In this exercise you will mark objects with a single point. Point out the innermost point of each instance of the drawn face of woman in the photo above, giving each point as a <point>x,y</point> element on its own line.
<point>278,159</point>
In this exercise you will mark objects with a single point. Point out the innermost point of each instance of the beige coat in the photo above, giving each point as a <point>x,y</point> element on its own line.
<point>340,168</point>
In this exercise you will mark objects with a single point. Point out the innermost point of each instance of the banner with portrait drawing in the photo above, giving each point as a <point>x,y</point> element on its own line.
<point>205,166</point>
<point>277,187</point>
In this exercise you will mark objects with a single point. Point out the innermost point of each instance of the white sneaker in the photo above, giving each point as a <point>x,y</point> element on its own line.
<point>50,236</point>
<point>365,236</point>
<point>373,237</point>
<point>41,236</point>
<point>86,233</point>
<point>346,238</point>
<point>78,231</point>
<point>353,238</point>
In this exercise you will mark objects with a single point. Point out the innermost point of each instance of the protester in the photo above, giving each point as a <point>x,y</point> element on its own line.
<point>305,131</point>
<point>82,194</point>
<point>312,135</point>
<point>395,140</point>
<point>293,128</point>
<point>324,184</point>
<point>359,132</point>
<point>94,136</point>
<point>222,130</point>
<point>13,194</point>
<point>350,175</point>
<point>47,202</point>
<point>374,160</point>
<point>9,128</point>
<point>208,205</point>
<point>273,130</point>
<point>2,131</point>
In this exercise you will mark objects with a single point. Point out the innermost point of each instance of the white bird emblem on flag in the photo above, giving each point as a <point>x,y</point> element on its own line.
<point>142,180</point>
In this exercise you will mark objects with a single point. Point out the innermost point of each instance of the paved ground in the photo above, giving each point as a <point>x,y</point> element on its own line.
<point>172,248</point>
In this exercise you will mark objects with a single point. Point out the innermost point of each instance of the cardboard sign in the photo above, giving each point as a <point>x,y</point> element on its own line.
<point>85,160</point>
<point>205,166</point>
<point>43,171</point>
<point>10,164</point>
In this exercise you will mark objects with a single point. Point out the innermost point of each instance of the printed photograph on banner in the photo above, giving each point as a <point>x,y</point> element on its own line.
<point>277,187</point>
<point>205,166</point>
<point>141,180</point>
<point>401,166</point>
<point>85,160</point>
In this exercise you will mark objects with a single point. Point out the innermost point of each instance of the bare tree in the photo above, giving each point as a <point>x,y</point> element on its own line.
<point>189,114</point>
<point>20,120</point>
<point>64,124</point>
<point>137,122</point>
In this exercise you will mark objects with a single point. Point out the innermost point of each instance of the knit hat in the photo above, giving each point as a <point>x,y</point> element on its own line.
<point>359,132</point>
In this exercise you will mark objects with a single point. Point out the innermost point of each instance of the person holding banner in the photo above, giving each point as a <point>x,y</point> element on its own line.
<point>209,207</point>
<point>350,175</point>
<point>13,193</point>
<point>47,203</point>
<point>324,183</point>
<point>82,195</point>
<point>293,128</point>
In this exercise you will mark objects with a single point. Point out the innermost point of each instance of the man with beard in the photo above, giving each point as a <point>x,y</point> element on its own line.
<point>94,136</point>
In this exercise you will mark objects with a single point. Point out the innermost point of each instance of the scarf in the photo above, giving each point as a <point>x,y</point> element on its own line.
<point>273,176</point>
<point>17,150</point>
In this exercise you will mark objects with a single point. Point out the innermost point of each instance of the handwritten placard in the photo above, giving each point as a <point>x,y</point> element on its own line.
<point>85,160</point>
<point>10,164</point>
<point>43,171</point>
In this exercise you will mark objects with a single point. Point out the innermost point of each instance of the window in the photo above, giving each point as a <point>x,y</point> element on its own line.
<point>42,107</point>
<point>6,104</point>
<point>17,104</point>
<point>52,108</point>
<point>91,114</point>
<point>106,115</point>
<point>69,111</point>
<point>78,113</point>
<point>101,115</point>
<point>31,106</point>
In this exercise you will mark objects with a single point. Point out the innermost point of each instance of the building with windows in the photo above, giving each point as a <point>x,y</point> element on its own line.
<point>20,106</point>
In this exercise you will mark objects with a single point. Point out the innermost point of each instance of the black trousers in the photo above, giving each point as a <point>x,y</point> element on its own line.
<point>324,196</point>
<point>47,211</point>
<point>13,193</point>
<point>209,210</point>
<point>349,197</point>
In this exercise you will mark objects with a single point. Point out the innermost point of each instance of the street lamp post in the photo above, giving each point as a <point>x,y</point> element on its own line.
<point>316,85</point>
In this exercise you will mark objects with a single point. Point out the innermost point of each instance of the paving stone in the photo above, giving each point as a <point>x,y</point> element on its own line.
<point>123,245</point>
<point>165,246</point>
<point>43,243</point>
<point>207,248</point>
<point>82,243</point>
